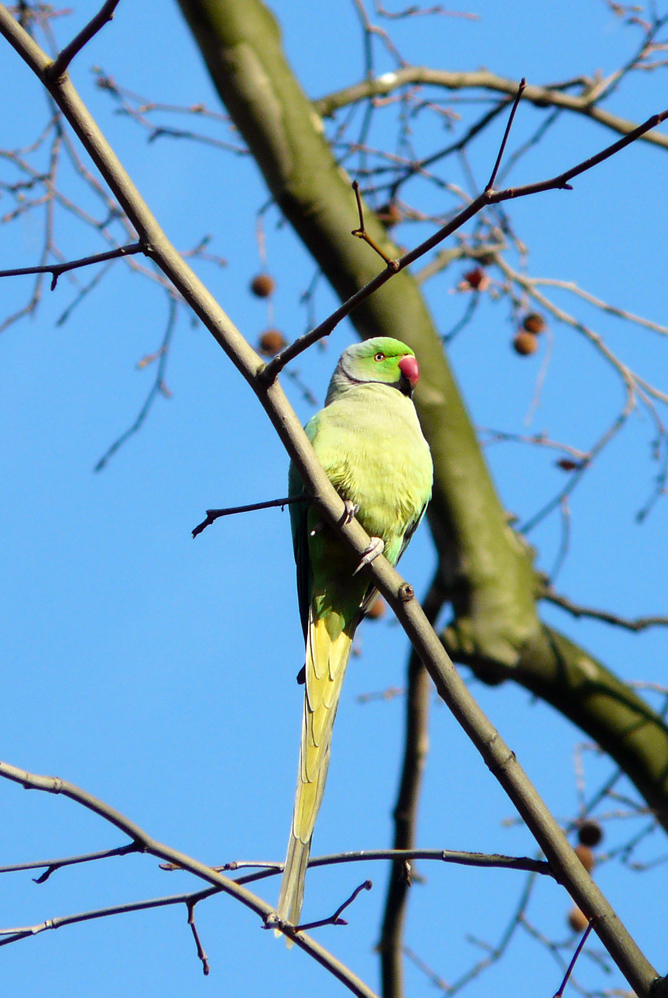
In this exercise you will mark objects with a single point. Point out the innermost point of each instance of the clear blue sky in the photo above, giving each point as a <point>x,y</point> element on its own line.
<point>157,672</point>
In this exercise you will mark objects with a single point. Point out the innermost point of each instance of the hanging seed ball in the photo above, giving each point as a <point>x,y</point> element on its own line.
<point>590,833</point>
<point>377,609</point>
<point>586,857</point>
<point>567,464</point>
<point>477,279</point>
<point>263,285</point>
<point>534,323</point>
<point>389,214</point>
<point>577,920</point>
<point>271,342</point>
<point>525,343</point>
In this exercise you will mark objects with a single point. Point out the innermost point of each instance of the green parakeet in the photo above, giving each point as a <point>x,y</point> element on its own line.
<point>370,444</point>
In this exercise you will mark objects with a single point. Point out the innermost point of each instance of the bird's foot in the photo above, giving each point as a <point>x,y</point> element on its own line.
<point>351,511</point>
<point>376,547</point>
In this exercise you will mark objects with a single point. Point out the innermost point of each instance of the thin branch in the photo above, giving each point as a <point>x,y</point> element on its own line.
<point>335,919</point>
<point>361,232</point>
<point>55,785</point>
<point>571,965</point>
<point>488,197</point>
<point>198,943</point>
<point>158,386</point>
<point>599,303</point>
<point>56,269</point>
<point>479,79</point>
<point>56,864</point>
<point>520,90</point>
<point>637,624</point>
<point>64,58</point>
<point>402,856</point>
<point>213,514</point>
<point>22,932</point>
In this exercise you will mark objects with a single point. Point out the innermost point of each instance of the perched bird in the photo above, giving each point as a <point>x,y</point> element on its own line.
<point>370,444</point>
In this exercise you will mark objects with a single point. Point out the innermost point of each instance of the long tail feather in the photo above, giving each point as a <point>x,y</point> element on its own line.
<point>326,661</point>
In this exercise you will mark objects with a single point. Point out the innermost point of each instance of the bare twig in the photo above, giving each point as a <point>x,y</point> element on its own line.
<point>488,197</point>
<point>571,965</point>
<point>64,58</point>
<point>520,90</point>
<point>363,234</point>
<point>56,269</point>
<point>213,514</point>
<point>198,942</point>
<point>637,624</point>
<point>13,935</point>
<point>335,919</point>
<point>56,864</point>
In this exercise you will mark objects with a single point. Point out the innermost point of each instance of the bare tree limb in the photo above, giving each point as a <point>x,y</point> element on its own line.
<point>56,864</point>
<point>488,197</point>
<point>54,785</point>
<point>406,808</point>
<point>637,624</point>
<point>56,269</point>
<point>479,80</point>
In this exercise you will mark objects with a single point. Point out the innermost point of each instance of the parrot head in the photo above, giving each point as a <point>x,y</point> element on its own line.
<point>380,360</point>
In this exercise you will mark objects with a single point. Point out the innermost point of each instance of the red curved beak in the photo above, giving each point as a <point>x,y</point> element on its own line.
<point>409,367</point>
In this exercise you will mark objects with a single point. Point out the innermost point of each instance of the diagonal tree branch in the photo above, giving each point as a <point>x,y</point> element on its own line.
<point>405,812</point>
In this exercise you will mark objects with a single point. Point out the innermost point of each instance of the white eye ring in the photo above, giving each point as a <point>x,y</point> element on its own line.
<point>379,356</point>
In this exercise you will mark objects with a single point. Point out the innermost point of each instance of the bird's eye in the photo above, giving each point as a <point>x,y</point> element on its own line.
<point>379,356</point>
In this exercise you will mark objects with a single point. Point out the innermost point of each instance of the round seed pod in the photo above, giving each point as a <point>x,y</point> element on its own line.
<point>263,285</point>
<point>577,920</point>
<point>534,323</point>
<point>377,609</point>
<point>590,833</point>
<point>477,279</point>
<point>271,342</point>
<point>525,343</point>
<point>389,214</point>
